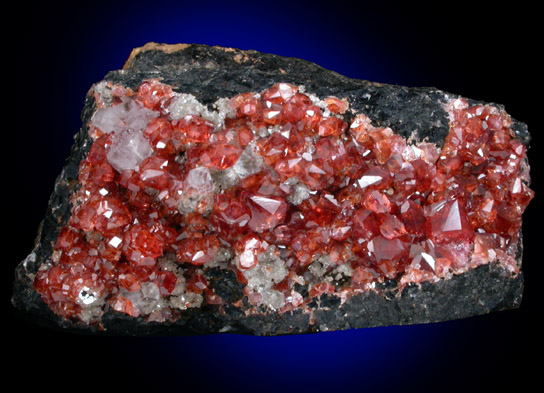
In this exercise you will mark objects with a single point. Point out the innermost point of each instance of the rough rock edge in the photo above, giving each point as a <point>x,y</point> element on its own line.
<point>166,48</point>
<point>484,289</point>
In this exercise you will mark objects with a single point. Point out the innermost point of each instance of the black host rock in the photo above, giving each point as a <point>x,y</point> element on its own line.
<point>210,73</point>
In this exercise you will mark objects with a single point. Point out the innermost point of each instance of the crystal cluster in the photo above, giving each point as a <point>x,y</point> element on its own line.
<point>295,194</point>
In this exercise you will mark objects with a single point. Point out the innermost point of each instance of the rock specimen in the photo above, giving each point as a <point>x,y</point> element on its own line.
<point>216,190</point>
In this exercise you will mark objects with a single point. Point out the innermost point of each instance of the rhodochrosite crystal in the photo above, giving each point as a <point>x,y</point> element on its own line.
<point>275,203</point>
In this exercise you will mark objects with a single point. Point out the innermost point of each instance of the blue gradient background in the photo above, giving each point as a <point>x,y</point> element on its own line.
<point>483,54</point>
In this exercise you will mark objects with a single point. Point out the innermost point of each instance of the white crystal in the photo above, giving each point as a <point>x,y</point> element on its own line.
<point>104,91</point>
<point>272,298</point>
<point>186,300</point>
<point>200,180</point>
<point>147,299</point>
<point>168,262</point>
<point>92,312</point>
<point>179,289</point>
<point>197,185</point>
<point>221,259</point>
<point>343,270</point>
<point>86,296</point>
<point>270,270</point>
<point>129,148</point>
<point>248,163</point>
<point>247,259</point>
<point>150,290</point>
<point>225,179</point>
<point>223,110</point>
<point>184,104</point>
<point>128,115</point>
<point>31,258</point>
<point>300,191</point>
<point>319,267</point>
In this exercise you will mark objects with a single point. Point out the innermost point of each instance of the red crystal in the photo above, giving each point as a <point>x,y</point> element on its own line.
<point>266,211</point>
<point>280,93</point>
<point>154,172</point>
<point>413,218</point>
<point>142,246</point>
<point>220,155</point>
<point>131,277</point>
<point>376,201</point>
<point>246,105</point>
<point>193,128</point>
<point>162,138</point>
<point>230,211</point>
<point>273,148</point>
<point>284,191</point>
<point>199,250</point>
<point>322,288</point>
<point>363,276</point>
<point>391,227</point>
<point>331,126</point>
<point>103,215</point>
<point>295,108</point>
<point>336,105</point>
<point>152,94</point>
<point>447,220</point>
<point>244,136</point>
<point>166,281</point>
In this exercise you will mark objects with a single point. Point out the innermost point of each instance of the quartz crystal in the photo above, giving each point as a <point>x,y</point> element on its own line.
<point>295,195</point>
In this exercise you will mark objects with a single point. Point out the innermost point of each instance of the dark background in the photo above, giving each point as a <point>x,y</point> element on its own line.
<point>56,52</point>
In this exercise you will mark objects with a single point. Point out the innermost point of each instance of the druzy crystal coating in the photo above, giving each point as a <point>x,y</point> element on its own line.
<point>295,194</point>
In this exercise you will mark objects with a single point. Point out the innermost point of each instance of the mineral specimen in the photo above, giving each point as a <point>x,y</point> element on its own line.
<point>216,190</point>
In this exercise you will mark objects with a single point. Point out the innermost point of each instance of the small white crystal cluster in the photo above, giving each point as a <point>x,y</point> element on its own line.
<point>325,270</point>
<point>186,104</point>
<point>91,304</point>
<point>299,193</point>
<point>270,270</point>
<point>147,300</point>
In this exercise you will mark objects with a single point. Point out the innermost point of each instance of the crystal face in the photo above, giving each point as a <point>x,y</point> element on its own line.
<point>287,190</point>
